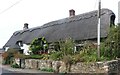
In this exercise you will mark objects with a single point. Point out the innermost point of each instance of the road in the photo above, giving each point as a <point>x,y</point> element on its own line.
<point>7,72</point>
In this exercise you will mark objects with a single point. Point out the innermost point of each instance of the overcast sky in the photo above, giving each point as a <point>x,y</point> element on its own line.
<point>14,13</point>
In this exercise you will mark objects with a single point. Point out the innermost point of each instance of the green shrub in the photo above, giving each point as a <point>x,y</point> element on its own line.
<point>89,58</point>
<point>104,52</point>
<point>113,42</point>
<point>47,69</point>
<point>15,65</point>
<point>76,58</point>
<point>29,56</point>
<point>88,53</point>
<point>56,56</point>
<point>40,56</point>
<point>9,55</point>
<point>38,45</point>
<point>36,56</point>
<point>20,56</point>
<point>67,46</point>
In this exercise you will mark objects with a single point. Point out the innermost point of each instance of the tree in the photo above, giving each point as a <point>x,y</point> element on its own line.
<point>9,55</point>
<point>67,46</point>
<point>38,45</point>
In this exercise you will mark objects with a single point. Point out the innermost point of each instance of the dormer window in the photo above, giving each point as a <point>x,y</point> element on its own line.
<point>19,43</point>
<point>112,20</point>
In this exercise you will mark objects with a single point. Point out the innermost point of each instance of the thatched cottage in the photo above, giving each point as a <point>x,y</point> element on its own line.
<point>79,27</point>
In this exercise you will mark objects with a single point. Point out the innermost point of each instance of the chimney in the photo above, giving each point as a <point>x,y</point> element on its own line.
<point>71,13</point>
<point>25,26</point>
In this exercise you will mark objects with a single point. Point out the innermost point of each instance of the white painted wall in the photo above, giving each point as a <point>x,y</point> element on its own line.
<point>6,48</point>
<point>26,49</point>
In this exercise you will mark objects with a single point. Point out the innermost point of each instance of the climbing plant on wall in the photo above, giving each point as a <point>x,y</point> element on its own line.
<point>38,45</point>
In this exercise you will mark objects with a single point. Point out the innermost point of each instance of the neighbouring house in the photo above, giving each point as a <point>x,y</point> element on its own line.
<point>1,51</point>
<point>80,28</point>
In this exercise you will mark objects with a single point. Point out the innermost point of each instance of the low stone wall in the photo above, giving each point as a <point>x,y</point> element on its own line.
<point>98,67</point>
<point>80,67</point>
<point>40,64</point>
<point>119,65</point>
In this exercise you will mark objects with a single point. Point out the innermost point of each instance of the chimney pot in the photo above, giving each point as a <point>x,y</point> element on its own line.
<point>71,13</point>
<point>25,26</point>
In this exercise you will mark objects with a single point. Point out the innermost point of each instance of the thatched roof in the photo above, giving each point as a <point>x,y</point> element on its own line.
<point>79,27</point>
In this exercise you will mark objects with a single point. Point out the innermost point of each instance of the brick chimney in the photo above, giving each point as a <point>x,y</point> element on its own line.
<point>71,13</point>
<point>25,26</point>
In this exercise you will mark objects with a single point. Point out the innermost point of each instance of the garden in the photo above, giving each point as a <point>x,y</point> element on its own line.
<point>65,51</point>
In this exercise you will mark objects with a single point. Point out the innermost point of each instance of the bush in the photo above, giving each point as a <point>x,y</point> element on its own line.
<point>113,42</point>
<point>28,56</point>
<point>9,55</point>
<point>89,58</point>
<point>56,56</point>
<point>15,65</point>
<point>47,69</point>
<point>19,55</point>
<point>36,56</point>
<point>88,53</point>
<point>6,60</point>
<point>67,46</point>
<point>39,45</point>
<point>76,58</point>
